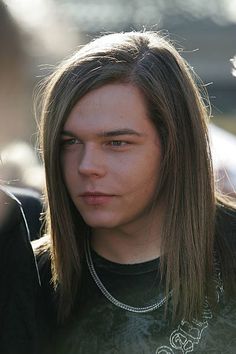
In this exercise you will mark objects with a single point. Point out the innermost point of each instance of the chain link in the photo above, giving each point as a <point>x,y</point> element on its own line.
<point>106,293</point>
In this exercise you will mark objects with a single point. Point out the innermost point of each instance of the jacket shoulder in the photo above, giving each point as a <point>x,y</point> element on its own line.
<point>226,224</point>
<point>10,212</point>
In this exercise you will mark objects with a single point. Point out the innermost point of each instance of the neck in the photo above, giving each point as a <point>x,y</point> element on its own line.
<point>129,244</point>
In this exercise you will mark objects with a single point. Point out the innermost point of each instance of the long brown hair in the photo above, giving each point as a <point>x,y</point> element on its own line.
<point>176,107</point>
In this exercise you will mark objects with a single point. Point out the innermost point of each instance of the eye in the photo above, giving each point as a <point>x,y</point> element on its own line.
<point>117,143</point>
<point>70,142</point>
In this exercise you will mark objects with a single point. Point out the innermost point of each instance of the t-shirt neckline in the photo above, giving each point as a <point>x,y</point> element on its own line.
<point>126,269</point>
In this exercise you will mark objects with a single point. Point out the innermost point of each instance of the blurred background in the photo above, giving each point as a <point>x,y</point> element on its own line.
<point>36,35</point>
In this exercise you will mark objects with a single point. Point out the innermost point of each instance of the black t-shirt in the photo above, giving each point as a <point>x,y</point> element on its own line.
<point>19,282</point>
<point>99,326</point>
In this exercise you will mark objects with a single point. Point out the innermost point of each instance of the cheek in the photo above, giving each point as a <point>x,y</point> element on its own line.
<point>143,175</point>
<point>69,170</point>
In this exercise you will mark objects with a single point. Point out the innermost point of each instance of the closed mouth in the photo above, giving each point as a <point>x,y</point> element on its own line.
<point>95,194</point>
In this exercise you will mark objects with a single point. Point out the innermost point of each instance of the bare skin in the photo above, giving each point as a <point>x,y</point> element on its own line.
<point>111,156</point>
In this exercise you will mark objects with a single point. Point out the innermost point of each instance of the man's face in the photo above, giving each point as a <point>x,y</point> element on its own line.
<point>110,157</point>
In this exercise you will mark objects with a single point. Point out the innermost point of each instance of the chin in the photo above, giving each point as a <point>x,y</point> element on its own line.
<point>99,223</point>
<point>107,219</point>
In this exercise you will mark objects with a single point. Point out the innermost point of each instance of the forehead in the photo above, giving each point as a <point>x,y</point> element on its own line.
<point>112,106</point>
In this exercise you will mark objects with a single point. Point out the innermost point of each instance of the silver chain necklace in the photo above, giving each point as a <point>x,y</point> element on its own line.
<point>106,293</point>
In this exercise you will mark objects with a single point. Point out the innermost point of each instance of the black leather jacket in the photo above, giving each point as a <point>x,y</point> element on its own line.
<point>19,281</point>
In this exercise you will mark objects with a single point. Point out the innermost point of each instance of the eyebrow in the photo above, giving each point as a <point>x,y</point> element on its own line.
<point>120,132</point>
<point>112,133</point>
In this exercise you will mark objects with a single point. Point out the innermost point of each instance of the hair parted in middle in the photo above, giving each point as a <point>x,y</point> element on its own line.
<point>150,62</point>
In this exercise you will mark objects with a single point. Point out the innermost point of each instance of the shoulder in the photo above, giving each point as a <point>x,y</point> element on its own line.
<point>17,261</point>
<point>41,248</point>
<point>10,212</point>
<point>226,215</point>
<point>226,224</point>
<point>32,206</point>
<point>14,235</point>
<point>225,246</point>
<point>15,250</point>
<point>18,278</point>
<point>48,295</point>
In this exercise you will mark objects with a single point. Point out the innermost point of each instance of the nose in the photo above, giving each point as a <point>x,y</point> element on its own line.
<point>91,163</point>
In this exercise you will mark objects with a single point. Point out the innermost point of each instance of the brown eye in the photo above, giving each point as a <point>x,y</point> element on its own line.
<point>118,143</point>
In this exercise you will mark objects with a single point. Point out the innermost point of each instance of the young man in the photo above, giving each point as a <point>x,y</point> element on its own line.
<point>139,244</point>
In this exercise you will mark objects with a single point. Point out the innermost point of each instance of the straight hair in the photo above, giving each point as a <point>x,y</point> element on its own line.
<point>176,106</point>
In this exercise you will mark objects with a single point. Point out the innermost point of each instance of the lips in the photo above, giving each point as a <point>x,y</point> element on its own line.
<point>96,198</point>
